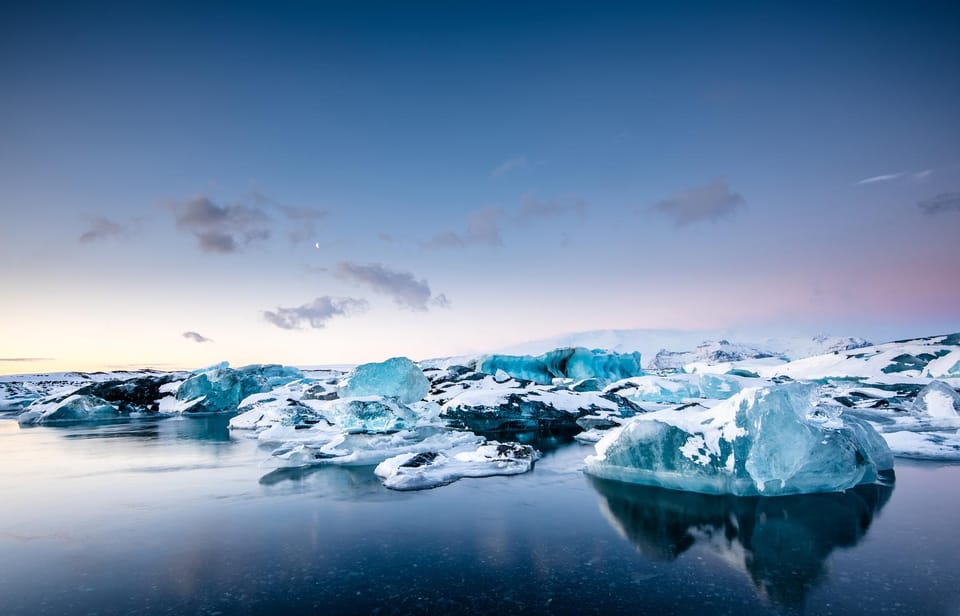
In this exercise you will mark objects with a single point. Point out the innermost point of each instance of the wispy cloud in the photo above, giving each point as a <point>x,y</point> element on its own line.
<point>534,209</point>
<point>711,201</point>
<point>402,287</point>
<point>900,175</point>
<point>887,177</point>
<point>511,164</point>
<point>316,313</point>
<point>483,227</point>
<point>223,228</point>
<point>24,359</point>
<point>945,202</point>
<point>101,228</point>
<point>196,337</point>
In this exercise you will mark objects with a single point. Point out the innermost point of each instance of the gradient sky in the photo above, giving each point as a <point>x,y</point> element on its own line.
<point>333,182</point>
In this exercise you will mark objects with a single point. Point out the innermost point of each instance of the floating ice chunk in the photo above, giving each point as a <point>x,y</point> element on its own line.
<point>367,449</point>
<point>395,378</point>
<point>288,405</point>
<point>573,363</point>
<point>101,401</point>
<point>369,414</point>
<point>925,445</point>
<point>320,435</point>
<point>219,388</point>
<point>938,400</point>
<point>74,408</point>
<point>763,441</point>
<point>591,436</point>
<point>430,469</point>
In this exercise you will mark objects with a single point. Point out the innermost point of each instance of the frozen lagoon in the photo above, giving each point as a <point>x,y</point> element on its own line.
<point>158,516</point>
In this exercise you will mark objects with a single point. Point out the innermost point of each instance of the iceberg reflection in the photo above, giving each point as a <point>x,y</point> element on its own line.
<point>781,543</point>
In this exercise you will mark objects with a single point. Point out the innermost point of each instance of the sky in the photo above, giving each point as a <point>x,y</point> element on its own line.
<point>335,182</point>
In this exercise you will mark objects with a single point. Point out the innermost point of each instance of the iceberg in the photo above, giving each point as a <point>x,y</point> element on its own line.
<point>293,404</point>
<point>575,363</point>
<point>430,469</point>
<point>943,446</point>
<point>369,414</point>
<point>73,408</point>
<point>337,448</point>
<point>533,408</point>
<point>219,388</point>
<point>938,400</point>
<point>762,442</point>
<point>106,400</point>
<point>397,377</point>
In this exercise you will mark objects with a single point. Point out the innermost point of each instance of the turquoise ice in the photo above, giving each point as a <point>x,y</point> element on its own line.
<point>395,378</point>
<point>220,388</point>
<point>571,363</point>
<point>763,441</point>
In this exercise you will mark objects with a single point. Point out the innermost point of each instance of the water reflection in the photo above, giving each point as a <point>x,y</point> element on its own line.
<point>206,428</point>
<point>544,441</point>
<point>782,543</point>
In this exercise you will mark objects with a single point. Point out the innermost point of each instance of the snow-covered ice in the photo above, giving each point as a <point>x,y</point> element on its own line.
<point>429,469</point>
<point>763,441</point>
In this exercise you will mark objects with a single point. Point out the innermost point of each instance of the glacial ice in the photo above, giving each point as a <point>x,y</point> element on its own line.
<point>220,388</point>
<point>106,400</point>
<point>397,377</point>
<point>940,445</point>
<point>677,388</point>
<point>430,469</point>
<point>530,408</point>
<point>938,399</point>
<point>575,363</point>
<point>341,449</point>
<point>660,389</point>
<point>763,441</point>
<point>370,414</point>
<point>294,404</point>
<point>73,408</point>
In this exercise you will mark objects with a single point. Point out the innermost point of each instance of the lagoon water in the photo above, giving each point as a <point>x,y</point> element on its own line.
<point>175,516</point>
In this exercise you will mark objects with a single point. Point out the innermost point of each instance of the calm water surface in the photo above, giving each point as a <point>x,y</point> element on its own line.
<point>173,517</point>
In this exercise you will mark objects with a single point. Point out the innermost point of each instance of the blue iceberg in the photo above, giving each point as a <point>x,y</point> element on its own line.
<point>762,442</point>
<point>369,415</point>
<point>568,363</point>
<point>220,388</point>
<point>397,378</point>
